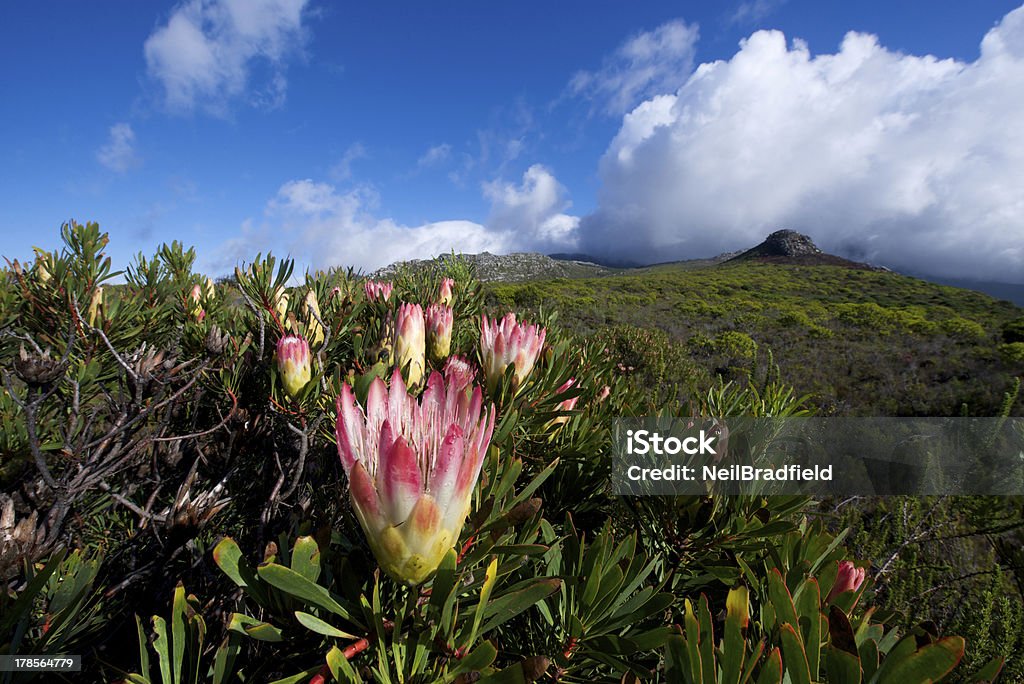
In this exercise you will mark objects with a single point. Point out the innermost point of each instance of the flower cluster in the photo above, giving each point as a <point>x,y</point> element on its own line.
<point>377,291</point>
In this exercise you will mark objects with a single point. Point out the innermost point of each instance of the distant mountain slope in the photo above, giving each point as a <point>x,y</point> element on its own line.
<point>511,268</point>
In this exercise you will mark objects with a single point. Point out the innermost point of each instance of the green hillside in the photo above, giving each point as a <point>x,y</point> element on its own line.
<point>860,342</point>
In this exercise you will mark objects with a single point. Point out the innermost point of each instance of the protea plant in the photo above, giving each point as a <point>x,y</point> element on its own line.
<point>507,342</point>
<point>410,346</point>
<point>412,467</point>
<point>439,331</point>
<point>377,291</point>
<point>293,363</point>
<point>565,405</point>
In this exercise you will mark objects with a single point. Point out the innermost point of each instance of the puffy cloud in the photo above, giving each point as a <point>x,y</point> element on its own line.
<point>910,161</point>
<point>648,63</point>
<point>203,55</point>
<point>534,210</point>
<point>320,226</point>
<point>118,154</point>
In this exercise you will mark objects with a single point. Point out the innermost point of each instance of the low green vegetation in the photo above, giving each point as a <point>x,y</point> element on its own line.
<point>858,342</point>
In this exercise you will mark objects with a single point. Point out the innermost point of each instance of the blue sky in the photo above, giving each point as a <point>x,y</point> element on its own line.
<point>361,133</point>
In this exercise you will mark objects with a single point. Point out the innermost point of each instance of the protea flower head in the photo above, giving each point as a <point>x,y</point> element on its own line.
<point>506,342</point>
<point>377,291</point>
<point>412,467</point>
<point>439,331</point>
<point>293,363</point>
<point>211,289</point>
<point>445,295</point>
<point>849,578</point>
<point>410,347</point>
<point>310,306</point>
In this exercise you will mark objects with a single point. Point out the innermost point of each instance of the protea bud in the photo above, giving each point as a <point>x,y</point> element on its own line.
<point>211,289</point>
<point>196,306</point>
<point>293,363</point>
<point>216,340</point>
<point>410,341</point>
<point>445,295</point>
<point>604,393</point>
<point>281,305</point>
<point>506,342</point>
<point>312,311</point>
<point>566,405</point>
<point>412,467</point>
<point>849,578</point>
<point>377,291</point>
<point>42,265</point>
<point>439,331</point>
<point>94,304</point>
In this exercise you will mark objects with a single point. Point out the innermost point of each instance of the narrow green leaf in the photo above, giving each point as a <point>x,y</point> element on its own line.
<point>794,655</point>
<point>317,625</point>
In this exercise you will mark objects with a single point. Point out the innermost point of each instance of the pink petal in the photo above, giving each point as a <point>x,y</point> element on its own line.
<point>364,496</point>
<point>446,470</point>
<point>349,430</point>
<point>401,480</point>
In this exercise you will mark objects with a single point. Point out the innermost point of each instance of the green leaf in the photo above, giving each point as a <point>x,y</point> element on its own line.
<point>929,663</point>
<point>317,625</point>
<point>737,616</point>
<point>178,633</point>
<point>988,673</point>
<point>162,649</point>
<point>143,648</point>
<point>341,669</point>
<point>224,660</point>
<point>507,606</point>
<point>841,667</point>
<point>771,671</point>
<point>794,655</point>
<point>291,582</point>
<point>479,658</point>
<point>485,594</point>
<point>782,601</point>
<point>306,558</point>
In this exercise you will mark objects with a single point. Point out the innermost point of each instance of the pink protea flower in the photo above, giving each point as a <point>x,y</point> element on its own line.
<point>195,303</point>
<point>439,331</point>
<point>293,363</point>
<point>410,346</point>
<point>445,295</point>
<point>850,578</point>
<point>459,372</point>
<point>377,290</point>
<point>604,393</point>
<point>412,467</point>
<point>506,342</point>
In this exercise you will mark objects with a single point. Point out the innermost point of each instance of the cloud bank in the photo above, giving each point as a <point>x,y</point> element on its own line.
<point>908,161</point>
<point>204,56</point>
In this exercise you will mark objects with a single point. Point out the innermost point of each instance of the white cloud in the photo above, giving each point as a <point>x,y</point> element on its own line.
<point>118,154</point>
<point>203,55</point>
<point>648,63</point>
<point>320,226</point>
<point>342,171</point>
<point>435,155</point>
<point>913,162</point>
<point>534,209</point>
